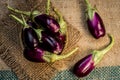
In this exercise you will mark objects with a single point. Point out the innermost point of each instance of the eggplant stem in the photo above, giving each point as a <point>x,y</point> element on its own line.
<point>48,7</point>
<point>88,4</point>
<point>109,46</point>
<point>98,54</point>
<point>19,20</point>
<point>58,14</point>
<point>24,22</point>
<point>54,57</point>
<point>90,10</point>
<point>61,21</point>
<point>18,11</point>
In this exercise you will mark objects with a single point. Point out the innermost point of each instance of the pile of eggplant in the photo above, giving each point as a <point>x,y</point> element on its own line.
<point>43,36</point>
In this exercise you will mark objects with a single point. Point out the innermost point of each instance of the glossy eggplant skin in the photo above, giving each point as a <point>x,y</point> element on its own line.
<point>96,26</point>
<point>58,36</point>
<point>84,66</point>
<point>51,44</point>
<point>47,22</point>
<point>29,38</point>
<point>34,55</point>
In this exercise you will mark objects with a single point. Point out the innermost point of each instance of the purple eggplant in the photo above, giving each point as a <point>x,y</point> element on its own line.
<point>47,22</point>
<point>84,66</point>
<point>39,55</point>
<point>94,22</point>
<point>51,44</point>
<point>35,55</point>
<point>30,38</point>
<point>29,35</point>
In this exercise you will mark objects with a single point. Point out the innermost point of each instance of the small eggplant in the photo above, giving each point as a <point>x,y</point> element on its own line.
<point>51,44</point>
<point>47,22</point>
<point>35,55</point>
<point>94,22</point>
<point>39,55</point>
<point>83,67</point>
<point>30,38</point>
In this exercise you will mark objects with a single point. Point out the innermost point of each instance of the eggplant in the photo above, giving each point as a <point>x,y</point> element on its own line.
<point>39,55</point>
<point>94,22</point>
<point>51,44</point>
<point>84,66</point>
<point>47,22</point>
<point>29,35</point>
<point>30,38</point>
<point>34,55</point>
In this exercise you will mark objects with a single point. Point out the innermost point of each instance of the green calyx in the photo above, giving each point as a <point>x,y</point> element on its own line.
<point>90,10</point>
<point>48,7</point>
<point>98,54</point>
<point>19,20</point>
<point>18,11</point>
<point>51,57</point>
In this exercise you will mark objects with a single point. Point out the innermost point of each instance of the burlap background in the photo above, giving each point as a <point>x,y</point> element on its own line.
<point>74,13</point>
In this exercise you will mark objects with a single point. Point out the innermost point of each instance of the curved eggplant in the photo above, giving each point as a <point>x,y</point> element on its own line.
<point>39,55</point>
<point>84,66</point>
